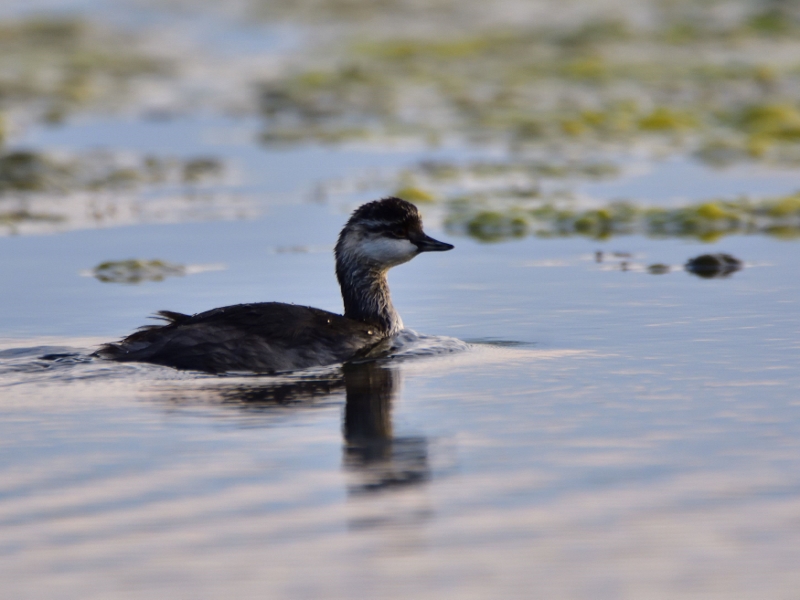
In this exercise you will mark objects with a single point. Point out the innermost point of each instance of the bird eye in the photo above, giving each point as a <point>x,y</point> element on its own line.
<point>398,232</point>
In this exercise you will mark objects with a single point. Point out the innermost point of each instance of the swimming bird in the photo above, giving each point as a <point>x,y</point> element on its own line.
<point>270,337</point>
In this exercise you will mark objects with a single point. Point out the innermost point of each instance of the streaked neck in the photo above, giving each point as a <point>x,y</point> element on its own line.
<point>365,292</point>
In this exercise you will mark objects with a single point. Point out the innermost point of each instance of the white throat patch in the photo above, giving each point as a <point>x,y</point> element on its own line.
<point>387,251</point>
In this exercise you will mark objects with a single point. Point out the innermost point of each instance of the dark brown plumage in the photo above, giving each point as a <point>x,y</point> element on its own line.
<point>270,337</point>
<point>266,337</point>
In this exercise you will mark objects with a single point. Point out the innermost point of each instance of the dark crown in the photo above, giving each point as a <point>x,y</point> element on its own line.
<point>387,210</point>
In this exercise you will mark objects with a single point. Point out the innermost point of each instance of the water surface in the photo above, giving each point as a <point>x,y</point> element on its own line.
<point>567,425</point>
<point>606,429</point>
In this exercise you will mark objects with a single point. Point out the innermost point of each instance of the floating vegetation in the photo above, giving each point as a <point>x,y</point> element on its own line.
<point>689,77</point>
<point>14,218</point>
<point>710,266</point>
<point>137,271</point>
<point>435,181</point>
<point>54,66</point>
<point>658,269</point>
<point>42,192</point>
<point>200,169</point>
<point>414,194</point>
<point>533,170</point>
<point>705,221</point>
<point>350,11</point>
<point>29,172</point>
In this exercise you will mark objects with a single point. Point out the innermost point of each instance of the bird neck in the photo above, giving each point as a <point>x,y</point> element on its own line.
<point>365,292</point>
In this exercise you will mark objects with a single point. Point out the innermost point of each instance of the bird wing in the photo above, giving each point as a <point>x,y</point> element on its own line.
<point>262,337</point>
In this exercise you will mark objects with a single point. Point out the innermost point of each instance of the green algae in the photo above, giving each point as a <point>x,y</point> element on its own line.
<point>575,91</point>
<point>17,217</point>
<point>494,226</point>
<point>658,269</point>
<point>666,119</point>
<point>705,221</point>
<point>486,169</point>
<point>56,66</point>
<point>28,172</point>
<point>415,194</point>
<point>774,20</point>
<point>201,169</point>
<point>602,79</point>
<point>136,271</point>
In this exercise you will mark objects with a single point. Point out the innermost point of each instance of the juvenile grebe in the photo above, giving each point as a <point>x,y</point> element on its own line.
<point>271,336</point>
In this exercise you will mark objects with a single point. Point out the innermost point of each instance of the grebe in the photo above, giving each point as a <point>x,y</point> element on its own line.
<point>270,337</point>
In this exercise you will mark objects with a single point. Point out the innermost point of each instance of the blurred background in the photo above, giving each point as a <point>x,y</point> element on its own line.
<point>666,118</point>
<point>621,180</point>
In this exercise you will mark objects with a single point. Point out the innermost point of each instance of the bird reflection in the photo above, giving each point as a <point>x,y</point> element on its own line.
<point>381,460</point>
<point>371,453</point>
<point>272,394</point>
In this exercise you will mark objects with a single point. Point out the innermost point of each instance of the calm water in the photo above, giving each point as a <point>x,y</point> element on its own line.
<point>607,433</point>
<point>602,432</point>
